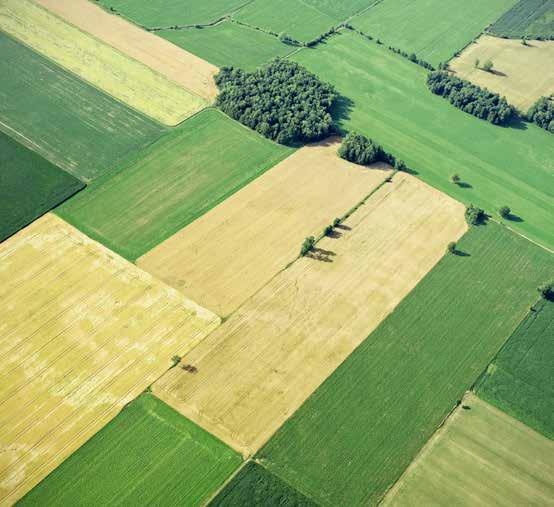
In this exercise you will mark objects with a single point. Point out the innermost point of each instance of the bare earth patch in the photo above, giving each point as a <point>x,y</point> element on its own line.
<point>82,333</point>
<point>521,73</point>
<point>256,370</point>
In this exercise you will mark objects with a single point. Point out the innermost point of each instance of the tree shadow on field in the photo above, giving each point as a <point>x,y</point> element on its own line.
<point>340,112</point>
<point>498,73</point>
<point>319,254</point>
<point>517,123</point>
<point>464,184</point>
<point>514,218</point>
<point>334,234</point>
<point>344,227</point>
<point>461,253</point>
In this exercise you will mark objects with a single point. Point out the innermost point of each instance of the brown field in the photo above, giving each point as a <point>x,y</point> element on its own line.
<point>231,252</point>
<point>480,457</point>
<point>282,343</point>
<point>176,64</point>
<point>82,333</point>
<point>522,73</point>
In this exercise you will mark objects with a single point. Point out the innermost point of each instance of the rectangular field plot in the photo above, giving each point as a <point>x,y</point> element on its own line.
<point>481,457</point>
<point>235,249</point>
<point>392,104</point>
<point>126,79</point>
<point>228,44</point>
<point>171,183</point>
<point>147,455</point>
<point>67,121</point>
<point>177,65</point>
<point>254,485</point>
<point>82,333</point>
<point>522,74</point>
<point>29,186</point>
<point>433,29</point>
<point>531,18</point>
<point>358,432</point>
<point>283,342</point>
<point>519,381</point>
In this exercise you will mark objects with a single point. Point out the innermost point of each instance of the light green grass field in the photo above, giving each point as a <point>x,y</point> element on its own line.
<point>29,186</point>
<point>67,121</point>
<point>148,455</point>
<point>433,29</point>
<point>481,457</point>
<point>391,104</point>
<point>227,44</point>
<point>519,381</point>
<point>342,10</point>
<point>357,433</point>
<point>531,18</point>
<point>172,182</point>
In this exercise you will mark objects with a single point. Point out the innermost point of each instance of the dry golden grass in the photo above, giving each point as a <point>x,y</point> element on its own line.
<point>82,333</point>
<point>231,252</point>
<point>522,73</point>
<point>101,65</point>
<point>480,457</point>
<point>176,64</point>
<point>282,343</point>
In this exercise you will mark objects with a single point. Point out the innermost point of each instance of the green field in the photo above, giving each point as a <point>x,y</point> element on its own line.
<point>228,44</point>
<point>531,18</point>
<point>172,182</point>
<point>29,186</point>
<point>519,381</point>
<point>357,433</point>
<point>254,485</point>
<point>166,13</point>
<point>391,104</point>
<point>67,121</point>
<point>433,29</point>
<point>148,455</point>
<point>341,10</point>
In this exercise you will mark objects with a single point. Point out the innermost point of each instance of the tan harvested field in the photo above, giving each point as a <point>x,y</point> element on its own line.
<point>82,333</point>
<point>480,457</point>
<point>101,65</point>
<point>231,252</point>
<point>283,342</point>
<point>176,64</point>
<point>522,74</point>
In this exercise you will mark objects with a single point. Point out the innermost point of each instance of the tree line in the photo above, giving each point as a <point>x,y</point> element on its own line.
<point>542,113</point>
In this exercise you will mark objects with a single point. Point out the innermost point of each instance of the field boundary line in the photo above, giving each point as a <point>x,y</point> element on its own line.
<point>521,235</point>
<point>218,490</point>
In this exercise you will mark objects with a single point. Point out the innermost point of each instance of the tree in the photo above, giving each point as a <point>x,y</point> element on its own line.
<point>336,222</point>
<point>504,212</point>
<point>175,360</point>
<point>307,245</point>
<point>524,41</point>
<point>451,248</point>
<point>546,290</point>
<point>328,230</point>
<point>488,66</point>
<point>361,150</point>
<point>474,215</point>
<point>455,179</point>
<point>285,38</point>
<point>477,62</point>
<point>400,165</point>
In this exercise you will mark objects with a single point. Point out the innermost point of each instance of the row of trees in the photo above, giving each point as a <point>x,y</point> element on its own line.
<point>542,113</point>
<point>412,57</point>
<point>280,100</point>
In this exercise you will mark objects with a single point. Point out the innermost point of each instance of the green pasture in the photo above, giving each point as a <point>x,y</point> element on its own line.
<point>530,18</point>
<point>353,438</point>
<point>148,455</point>
<point>387,99</point>
<point>164,187</point>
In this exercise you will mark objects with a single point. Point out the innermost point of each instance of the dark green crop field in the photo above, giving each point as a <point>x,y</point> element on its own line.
<point>148,455</point>
<point>531,18</point>
<point>254,485</point>
<point>172,182</point>
<point>519,381</point>
<point>390,102</point>
<point>357,433</point>
<point>29,186</point>
<point>67,121</point>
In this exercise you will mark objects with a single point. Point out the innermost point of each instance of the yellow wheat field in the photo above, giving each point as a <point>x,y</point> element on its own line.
<point>522,74</point>
<point>480,457</point>
<point>229,253</point>
<point>82,333</point>
<point>255,370</point>
<point>176,64</point>
<point>99,64</point>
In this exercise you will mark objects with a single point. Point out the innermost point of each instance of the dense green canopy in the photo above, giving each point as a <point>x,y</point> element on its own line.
<point>542,113</point>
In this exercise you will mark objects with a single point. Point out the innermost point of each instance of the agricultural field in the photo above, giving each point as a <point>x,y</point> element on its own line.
<point>109,70</point>
<point>519,381</point>
<point>231,252</point>
<point>29,186</point>
<point>181,67</point>
<point>161,189</point>
<point>481,457</point>
<point>254,485</point>
<point>228,43</point>
<point>433,29</point>
<point>530,18</point>
<point>343,10</point>
<point>359,431</point>
<point>395,107</point>
<point>82,333</point>
<point>184,463</point>
<point>292,334</point>
<point>522,74</point>
<point>64,119</point>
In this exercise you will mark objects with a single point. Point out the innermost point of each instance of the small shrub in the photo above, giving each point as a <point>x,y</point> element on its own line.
<point>505,212</point>
<point>175,360</point>
<point>546,290</point>
<point>455,179</point>
<point>451,248</point>
<point>477,62</point>
<point>308,244</point>
<point>488,66</point>
<point>474,215</point>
